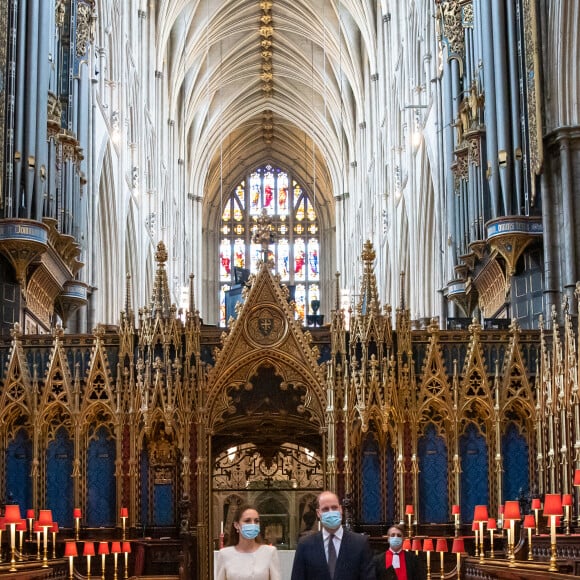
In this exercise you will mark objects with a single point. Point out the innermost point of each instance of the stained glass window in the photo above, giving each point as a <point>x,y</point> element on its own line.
<point>296,245</point>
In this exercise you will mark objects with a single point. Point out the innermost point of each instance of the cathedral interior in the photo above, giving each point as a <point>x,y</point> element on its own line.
<point>253,250</point>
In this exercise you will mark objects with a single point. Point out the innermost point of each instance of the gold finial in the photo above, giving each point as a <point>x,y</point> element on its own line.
<point>161,254</point>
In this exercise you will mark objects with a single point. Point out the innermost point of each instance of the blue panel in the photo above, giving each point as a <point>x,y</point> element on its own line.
<point>18,462</point>
<point>59,484</point>
<point>390,484</point>
<point>144,489</point>
<point>433,483</point>
<point>515,464</point>
<point>101,496</point>
<point>474,476</point>
<point>371,481</point>
<point>163,501</point>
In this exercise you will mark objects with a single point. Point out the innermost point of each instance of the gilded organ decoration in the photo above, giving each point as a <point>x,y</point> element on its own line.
<point>84,26</point>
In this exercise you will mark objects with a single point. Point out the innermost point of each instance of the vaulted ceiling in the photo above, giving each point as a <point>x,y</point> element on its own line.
<point>267,80</point>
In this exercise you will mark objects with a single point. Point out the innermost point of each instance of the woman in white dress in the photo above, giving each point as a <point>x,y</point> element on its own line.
<point>245,557</point>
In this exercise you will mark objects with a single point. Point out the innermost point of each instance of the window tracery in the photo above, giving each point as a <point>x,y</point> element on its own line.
<point>295,243</point>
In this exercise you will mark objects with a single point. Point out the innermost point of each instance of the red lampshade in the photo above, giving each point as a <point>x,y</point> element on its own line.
<point>116,548</point>
<point>89,549</point>
<point>103,548</point>
<point>37,527</point>
<point>70,549</point>
<point>409,510</point>
<point>480,513</point>
<point>21,526</point>
<point>29,514</point>
<point>491,524</point>
<point>512,510</point>
<point>529,521</point>
<point>77,513</point>
<point>127,547</point>
<point>124,512</point>
<point>416,545</point>
<point>12,514</point>
<point>458,546</point>
<point>475,526</point>
<point>45,518</point>
<point>536,504</point>
<point>567,499</point>
<point>428,545</point>
<point>577,477</point>
<point>54,528</point>
<point>500,509</point>
<point>406,544</point>
<point>455,510</point>
<point>441,545</point>
<point>553,504</point>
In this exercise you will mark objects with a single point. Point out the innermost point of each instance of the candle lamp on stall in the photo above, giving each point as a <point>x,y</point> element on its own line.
<point>103,552</point>
<point>529,524</point>
<point>536,506</point>
<point>567,505</point>
<point>11,518</point>
<point>475,530</point>
<point>126,547</point>
<point>21,527</point>
<point>410,512</point>
<point>88,551</point>
<point>428,548</point>
<point>38,531</point>
<point>552,510</point>
<point>455,512</point>
<point>45,522</point>
<point>115,550</point>
<point>481,516</point>
<point>511,514</point>
<point>441,547</point>
<point>124,515</point>
<point>54,531</point>
<point>70,552</point>
<point>77,514</point>
<point>491,527</point>
<point>407,544</point>
<point>416,545</point>
<point>458,548</point>
<point>30,519</point>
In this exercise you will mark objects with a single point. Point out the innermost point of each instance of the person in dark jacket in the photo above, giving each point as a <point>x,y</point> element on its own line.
<point>396,563</point>
<point>333,553</point>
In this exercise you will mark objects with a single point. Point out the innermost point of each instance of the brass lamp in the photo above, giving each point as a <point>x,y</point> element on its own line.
<point>475,530</point>
<point>536,506</point>
<point>456,512</point>
<point>552,510</point>
<point>428,548</point>
<point>45,522</point>
<point>77,514</point>
<point>511,514</point>
<point>88,551</point>
<point>11,518</point>
<point>30,518</point>
<point>126,547</point>
<point>409,512</point>
<point>529,524</point>
<point>21,528</point>
<point>458,548</point>
<point>567,504</point>
<point>441,547</point>
<point>416,545</point>
<point>124,515</point>
<point>103,552</point>
<point>481,516</point>
<point>70,552</point>
<point>116,550</point>
<point>491,526</point>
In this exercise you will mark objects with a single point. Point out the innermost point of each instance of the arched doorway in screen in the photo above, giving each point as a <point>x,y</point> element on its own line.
<point>295,241</point>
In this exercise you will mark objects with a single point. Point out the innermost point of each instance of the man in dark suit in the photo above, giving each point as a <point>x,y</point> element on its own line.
<point>396,563</point>
<point>333,553</point>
